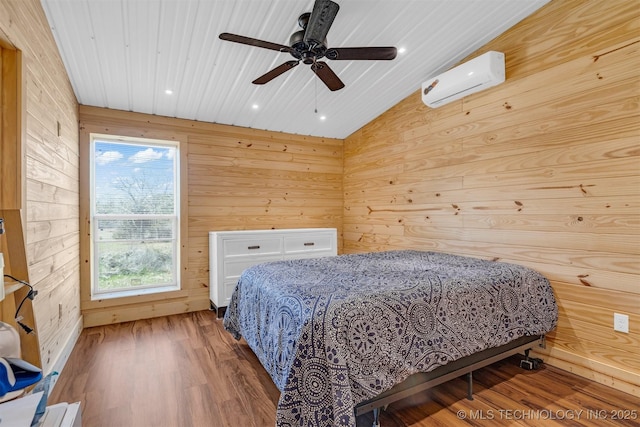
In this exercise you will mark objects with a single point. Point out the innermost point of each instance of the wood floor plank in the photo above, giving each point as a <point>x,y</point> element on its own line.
<point>187,371</point>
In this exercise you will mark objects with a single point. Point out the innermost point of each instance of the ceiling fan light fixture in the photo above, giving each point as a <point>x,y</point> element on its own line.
<point>308,58</point>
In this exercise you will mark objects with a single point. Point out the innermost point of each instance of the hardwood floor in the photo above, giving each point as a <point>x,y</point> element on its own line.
<point>185,370</point>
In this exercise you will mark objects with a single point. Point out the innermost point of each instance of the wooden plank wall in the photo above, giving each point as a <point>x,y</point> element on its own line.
<point>543,171</point>
<point>50,178</point>
<point>238,179</point>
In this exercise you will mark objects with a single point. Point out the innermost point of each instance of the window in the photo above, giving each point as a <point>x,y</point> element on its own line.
<point>135,237</point>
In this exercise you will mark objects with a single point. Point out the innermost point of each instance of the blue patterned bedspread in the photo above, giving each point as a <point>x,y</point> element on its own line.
<point>334,332</point>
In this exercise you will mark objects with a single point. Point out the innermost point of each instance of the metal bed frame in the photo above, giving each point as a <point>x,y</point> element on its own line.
<point>419,382</point>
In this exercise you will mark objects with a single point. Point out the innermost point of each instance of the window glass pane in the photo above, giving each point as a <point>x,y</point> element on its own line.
<point>134,265</point>
<point>134,216</point>
<point>134,178</point>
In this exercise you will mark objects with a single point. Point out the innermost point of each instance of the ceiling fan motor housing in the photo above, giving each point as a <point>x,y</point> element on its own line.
<point>303,51</point>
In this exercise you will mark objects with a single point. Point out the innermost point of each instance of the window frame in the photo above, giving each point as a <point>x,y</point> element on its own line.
<point>12,126</point>
<point>95,293</point>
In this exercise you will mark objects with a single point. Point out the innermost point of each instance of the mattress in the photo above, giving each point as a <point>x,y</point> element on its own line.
<point>333,332</point>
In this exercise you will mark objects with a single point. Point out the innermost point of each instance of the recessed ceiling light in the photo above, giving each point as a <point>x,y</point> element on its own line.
<point>168,91</point>
<point>323,117</point>
<point>255,106</point>
<point>402,50</point>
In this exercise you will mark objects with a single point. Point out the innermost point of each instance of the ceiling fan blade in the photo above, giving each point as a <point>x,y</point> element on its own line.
<point>373,53</point>
<point>280,69</point>
<point>322,16</point>
<point>327,75</point>
<point>254,42</point>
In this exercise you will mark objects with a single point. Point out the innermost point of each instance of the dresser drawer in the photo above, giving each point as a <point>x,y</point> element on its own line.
<point>252,246</point>
<point>234,268</point>
<point>308,243</point>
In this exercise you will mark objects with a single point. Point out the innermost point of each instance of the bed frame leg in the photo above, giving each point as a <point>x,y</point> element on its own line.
<point>376,417</point>
<point>470,385</point>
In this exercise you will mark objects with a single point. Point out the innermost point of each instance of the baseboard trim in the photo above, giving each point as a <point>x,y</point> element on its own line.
<point>61,359</point>
<point>614,377</point>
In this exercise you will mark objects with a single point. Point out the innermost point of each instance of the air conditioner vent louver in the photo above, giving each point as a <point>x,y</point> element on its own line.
<point>473,76</point>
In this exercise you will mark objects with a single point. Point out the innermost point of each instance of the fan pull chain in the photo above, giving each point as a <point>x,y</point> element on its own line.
<point>315,90</point>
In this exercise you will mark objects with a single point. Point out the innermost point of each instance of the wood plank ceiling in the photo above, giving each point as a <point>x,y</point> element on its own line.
<point>124,54</point>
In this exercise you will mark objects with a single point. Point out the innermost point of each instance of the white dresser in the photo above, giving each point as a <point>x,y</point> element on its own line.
<point>231,252</point>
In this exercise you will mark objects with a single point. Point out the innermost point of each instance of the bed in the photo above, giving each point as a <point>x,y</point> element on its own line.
<point>338,334</point>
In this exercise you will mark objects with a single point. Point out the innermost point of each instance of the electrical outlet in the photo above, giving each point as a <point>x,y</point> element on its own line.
<point>621,323</point>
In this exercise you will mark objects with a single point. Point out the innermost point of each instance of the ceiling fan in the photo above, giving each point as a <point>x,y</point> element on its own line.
<point>309,45</point>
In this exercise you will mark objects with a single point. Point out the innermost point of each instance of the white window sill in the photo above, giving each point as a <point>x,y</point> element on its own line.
<point>134,293</point>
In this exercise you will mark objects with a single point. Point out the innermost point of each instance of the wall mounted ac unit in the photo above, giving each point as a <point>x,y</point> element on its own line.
<point>478,74</point>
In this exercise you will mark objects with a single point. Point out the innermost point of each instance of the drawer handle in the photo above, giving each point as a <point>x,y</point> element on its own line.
<point>309,244</point>
<point>253,247</point>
